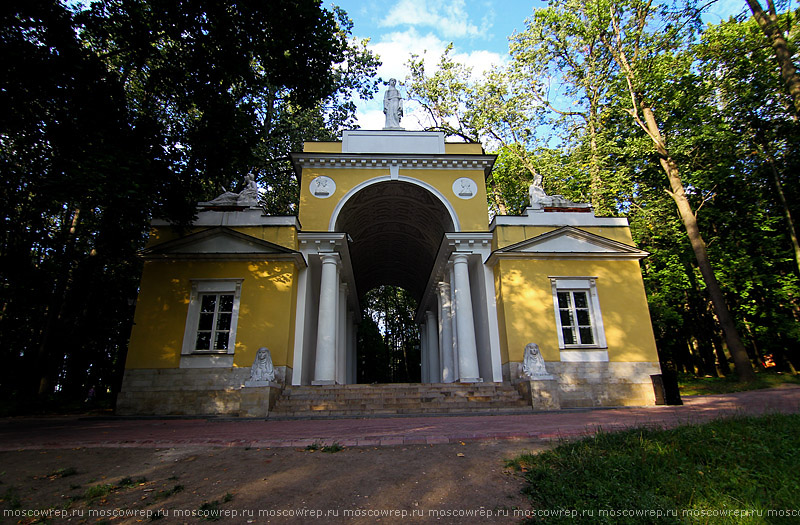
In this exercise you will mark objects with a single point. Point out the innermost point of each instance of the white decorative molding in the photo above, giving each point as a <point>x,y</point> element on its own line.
<point>556,219</point>
<point>464,188</point>
<point>322,187</point>
<point>372,161</point>
<point>206,361</point>
<point>221,243</point>
<point>246,217</point>
<point>568,242</point>
<point>584,356</point>
<point>392,141</point>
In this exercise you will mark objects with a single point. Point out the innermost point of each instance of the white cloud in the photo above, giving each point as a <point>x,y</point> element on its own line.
<point>394,50</point>
<point>450,18</point>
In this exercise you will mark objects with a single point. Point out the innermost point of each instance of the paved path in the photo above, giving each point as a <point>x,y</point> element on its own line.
<point>72,432</point>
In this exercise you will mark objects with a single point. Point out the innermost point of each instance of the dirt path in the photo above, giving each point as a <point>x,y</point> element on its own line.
<point>414,483</point>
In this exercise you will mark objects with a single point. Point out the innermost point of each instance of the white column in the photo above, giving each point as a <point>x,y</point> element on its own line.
<point>446,333</point>
<point>454,319</point>
<point>300,326</point>
<point>325,363</point>
<point>465,324</point>
<point>434,371</point>
<point>423,353</point>
<point>352,378</point>
<point>341,337</point>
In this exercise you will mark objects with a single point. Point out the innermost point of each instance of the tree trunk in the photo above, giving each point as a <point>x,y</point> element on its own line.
<point>45,353</point>
<point>744,368</point>
<point>595,184</point>
<point>785,205</point>
<point>768,22</point>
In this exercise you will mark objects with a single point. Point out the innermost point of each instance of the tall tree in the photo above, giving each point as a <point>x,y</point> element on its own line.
<point>129,110</point>
<point>646,41</point>
<point>775,30</point>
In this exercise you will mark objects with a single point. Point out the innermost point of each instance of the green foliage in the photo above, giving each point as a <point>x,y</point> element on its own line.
<point>738,463</point>
<point>569,105</point>
<point>692,385</point>
<point>388,339</point>
<point>124,111</point>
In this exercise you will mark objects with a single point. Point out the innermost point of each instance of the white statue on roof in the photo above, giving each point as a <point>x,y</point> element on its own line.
<point>392,106</point>
<point>247,197</point>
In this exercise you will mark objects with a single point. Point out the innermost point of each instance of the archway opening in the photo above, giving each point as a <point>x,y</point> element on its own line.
<point>395,230</point>
<point>388,349</point>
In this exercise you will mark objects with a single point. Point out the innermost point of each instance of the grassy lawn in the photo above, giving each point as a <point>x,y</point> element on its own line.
<point>690,474</point>
<point>691,385</point>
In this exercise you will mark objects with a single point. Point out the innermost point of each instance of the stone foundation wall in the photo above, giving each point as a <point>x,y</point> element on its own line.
<point>193,392</point>
<point>594,384</point>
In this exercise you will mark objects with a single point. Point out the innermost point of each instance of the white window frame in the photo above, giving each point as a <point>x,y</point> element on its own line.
<point>209,286</point>
<point>580,284</point>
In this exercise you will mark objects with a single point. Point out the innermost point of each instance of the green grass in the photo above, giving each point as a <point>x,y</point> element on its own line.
<point>739,463</point>
<point>164,494</point>
<point>331,449</point>
<point>98,491</point>
<point>128,481</point>
<point>63,472</point>
<point>691,385</point>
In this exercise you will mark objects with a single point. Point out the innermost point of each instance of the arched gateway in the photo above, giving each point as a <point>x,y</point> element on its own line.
<point>401,208</point>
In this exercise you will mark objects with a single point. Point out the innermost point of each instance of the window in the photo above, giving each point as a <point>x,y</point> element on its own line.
<point>576,323</point>
<point>578,318</point>
<point>212,317</point>
<point>214,326</point>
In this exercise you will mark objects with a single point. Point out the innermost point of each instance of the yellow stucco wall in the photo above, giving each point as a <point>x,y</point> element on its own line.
<point>266,315</point>
<point>508,235</point>
<point>315,213</point>
<point>462,148</point>
<point>527,314</point>
<point>322,147</point>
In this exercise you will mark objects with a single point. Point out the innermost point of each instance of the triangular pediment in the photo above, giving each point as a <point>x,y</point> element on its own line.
<point>214,241</point>
<point>570,241</point>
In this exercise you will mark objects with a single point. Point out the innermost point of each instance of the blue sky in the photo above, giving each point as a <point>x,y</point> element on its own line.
<point>479,30</point>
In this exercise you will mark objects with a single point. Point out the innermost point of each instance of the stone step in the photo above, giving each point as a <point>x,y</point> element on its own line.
<point>398,399</point>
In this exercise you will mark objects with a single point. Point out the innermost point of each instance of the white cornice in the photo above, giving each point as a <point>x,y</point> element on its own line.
<point>567,243</point>
<point>556,219</point>
<point>245,217</point>
<point>404,161</point>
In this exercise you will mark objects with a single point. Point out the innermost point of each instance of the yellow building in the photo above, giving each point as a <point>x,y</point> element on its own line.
<point>401,208</point>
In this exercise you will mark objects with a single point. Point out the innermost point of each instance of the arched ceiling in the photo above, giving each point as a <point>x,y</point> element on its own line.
<point>396,229</point>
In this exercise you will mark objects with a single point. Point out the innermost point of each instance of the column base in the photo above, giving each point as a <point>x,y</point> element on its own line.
<point>470,380</point>
<point>323,382</point>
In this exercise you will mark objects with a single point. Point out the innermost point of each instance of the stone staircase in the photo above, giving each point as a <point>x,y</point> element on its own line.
<point>398,399</point>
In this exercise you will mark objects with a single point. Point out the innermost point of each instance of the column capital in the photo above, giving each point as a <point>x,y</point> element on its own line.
<point>330,258</point>
<point>459,257</point>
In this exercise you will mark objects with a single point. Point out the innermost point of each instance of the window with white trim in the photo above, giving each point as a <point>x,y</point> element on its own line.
<point>212,317</point>
<point>577,309</point>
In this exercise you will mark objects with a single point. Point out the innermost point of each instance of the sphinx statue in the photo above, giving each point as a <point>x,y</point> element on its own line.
<point>533,363</point>
<point>262,369</point>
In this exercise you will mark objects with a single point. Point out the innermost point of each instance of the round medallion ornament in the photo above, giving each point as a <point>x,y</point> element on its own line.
<point>465,188</point>
<point>322,187</point>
